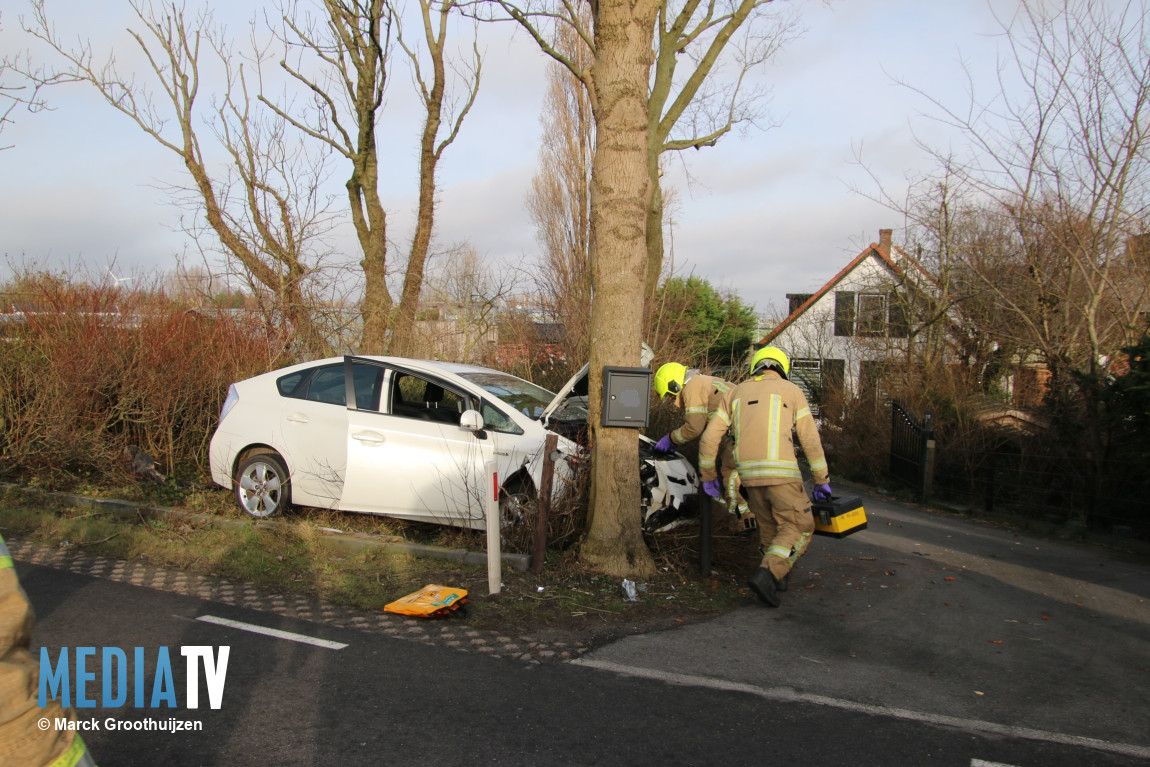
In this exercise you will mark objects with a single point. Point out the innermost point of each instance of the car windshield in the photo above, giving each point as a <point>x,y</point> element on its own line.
<point>526,397</point>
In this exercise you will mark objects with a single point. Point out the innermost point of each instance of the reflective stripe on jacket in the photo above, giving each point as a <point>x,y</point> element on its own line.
<point>700,396</point>
<point>760,414</point>
<point>22,740</point>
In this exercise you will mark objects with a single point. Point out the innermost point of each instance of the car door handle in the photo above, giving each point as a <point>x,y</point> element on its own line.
<point>298,418</point>
<point>368,437</point>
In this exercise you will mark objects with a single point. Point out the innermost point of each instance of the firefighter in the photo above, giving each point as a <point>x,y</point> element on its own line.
<point>23,741</point>
<point>760,414</point>
<point>697,396</point>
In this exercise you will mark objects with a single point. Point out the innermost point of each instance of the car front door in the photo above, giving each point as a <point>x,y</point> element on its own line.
<point>408,457</point>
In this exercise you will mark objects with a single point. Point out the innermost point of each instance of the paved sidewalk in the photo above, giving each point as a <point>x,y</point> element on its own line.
<point>939,616</point>
<point>449,632</point>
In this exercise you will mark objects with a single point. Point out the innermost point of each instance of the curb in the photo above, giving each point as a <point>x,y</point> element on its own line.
<point>347,543</point>
<point>451,632</point>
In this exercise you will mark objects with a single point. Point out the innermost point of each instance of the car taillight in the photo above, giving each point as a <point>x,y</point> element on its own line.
<point>229,401</point>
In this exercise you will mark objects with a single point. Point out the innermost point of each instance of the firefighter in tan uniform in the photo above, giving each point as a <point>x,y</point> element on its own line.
<point>698,395</point>
<point>22,741</point>
<point>760,413</point>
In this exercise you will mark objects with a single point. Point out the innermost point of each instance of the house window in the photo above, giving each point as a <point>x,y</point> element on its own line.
<point>872,383</point>
<point>834,375</point>
<point>844,313</point>
<point>872,316</point>
<point>899,318</point>
<point>795,300</point>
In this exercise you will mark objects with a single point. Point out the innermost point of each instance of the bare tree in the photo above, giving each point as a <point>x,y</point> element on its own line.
<point>435,99</point>
<point>465,299</point>
<point>11,94</point>
<point>617,79</point>
<point>696,110</point>
<point>559,201</point>
<point>1066,166</point>
<point>1040,222</point>
<point>620,39</point>
<point>349,52</point>
<point>266,210</point>
<point>344,63</point>
<point>723,41</point>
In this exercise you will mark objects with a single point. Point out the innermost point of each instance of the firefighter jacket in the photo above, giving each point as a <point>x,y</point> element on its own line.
<point>760,414</point>
<point>22,739</point>
<point>700,396</point>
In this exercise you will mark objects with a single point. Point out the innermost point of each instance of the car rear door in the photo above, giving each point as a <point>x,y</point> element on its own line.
<point>313,434</point>
<point>408,457</point>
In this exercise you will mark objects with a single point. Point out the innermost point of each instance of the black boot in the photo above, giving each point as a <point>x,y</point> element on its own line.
<point>763,583</point>
<point>781,584</point>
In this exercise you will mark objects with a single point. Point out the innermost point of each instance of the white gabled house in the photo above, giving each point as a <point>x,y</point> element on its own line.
<point>843,335</point>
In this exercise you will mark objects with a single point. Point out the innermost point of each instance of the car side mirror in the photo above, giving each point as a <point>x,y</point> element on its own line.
<point>471,420</point>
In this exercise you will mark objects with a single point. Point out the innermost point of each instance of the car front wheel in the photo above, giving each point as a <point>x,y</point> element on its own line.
<point>517,505</point>
<point>262,487</point>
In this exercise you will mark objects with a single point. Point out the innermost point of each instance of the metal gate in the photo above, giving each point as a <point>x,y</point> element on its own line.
<point>911,448</point>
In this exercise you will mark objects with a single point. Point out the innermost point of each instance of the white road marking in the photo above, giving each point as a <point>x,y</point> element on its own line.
<point>277,633</point>
<point>787,695</point>
<point>981,763</point>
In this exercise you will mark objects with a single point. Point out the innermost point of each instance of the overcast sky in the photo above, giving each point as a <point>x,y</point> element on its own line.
<point>765,213</point>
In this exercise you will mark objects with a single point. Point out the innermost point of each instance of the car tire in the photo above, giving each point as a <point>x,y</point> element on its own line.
<point>516,509</point>
<point>262,486</point>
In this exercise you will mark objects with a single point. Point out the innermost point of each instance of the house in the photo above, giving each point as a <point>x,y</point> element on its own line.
<point>846,334</point>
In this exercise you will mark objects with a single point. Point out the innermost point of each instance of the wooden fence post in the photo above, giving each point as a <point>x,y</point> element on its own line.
<point>543,503</point>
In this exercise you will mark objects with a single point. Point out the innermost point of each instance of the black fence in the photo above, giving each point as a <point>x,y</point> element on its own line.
<point>911,445</point>
<point>1024,480</point>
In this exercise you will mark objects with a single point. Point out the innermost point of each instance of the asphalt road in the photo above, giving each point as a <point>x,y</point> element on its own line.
<point>1034,654</point>
<point>946,621</point>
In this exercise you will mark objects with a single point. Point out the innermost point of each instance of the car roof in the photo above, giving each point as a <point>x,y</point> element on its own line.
<point>448,367</point>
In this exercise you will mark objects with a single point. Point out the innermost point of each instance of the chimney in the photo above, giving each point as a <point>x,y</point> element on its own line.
<point>884,240</point>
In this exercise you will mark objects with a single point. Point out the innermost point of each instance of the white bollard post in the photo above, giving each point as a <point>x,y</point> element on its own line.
<point>494,562</point>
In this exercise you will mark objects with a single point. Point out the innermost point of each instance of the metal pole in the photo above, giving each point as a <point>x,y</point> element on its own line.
<point>703,505</point>
<point>927,467</point>
<point>494,571</point>
<point>543,502</point>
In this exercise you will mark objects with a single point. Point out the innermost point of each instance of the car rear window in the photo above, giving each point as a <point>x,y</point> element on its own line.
<point>289,385</point>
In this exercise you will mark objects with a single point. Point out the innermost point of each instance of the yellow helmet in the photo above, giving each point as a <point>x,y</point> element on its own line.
<point>669,379</point>
<point>768,355</point>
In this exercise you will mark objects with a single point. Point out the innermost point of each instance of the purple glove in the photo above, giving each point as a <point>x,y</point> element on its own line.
<point>822,492</point>
<point>714,488</point>
<point>665,445</point>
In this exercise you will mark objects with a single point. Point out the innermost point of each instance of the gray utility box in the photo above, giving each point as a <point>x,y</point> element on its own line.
<point>626,397</point>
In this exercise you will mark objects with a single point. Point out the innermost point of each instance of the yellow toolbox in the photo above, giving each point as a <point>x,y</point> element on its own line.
<point>840,516</point>
<point>431,601</point>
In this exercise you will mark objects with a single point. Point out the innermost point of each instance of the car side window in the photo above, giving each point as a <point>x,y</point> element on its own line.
<point>327,386</point>
<point>496,420</point>
<point>289,385</point>
<point>367,380</point>
<point>413,396</point>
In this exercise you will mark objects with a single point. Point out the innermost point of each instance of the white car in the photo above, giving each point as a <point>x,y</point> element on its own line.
<point>412,443</point>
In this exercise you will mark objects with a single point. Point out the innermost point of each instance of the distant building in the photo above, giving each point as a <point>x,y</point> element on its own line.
<point>846,333</point>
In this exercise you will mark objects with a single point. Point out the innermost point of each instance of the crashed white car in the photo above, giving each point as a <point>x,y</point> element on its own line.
<point>410,439</point>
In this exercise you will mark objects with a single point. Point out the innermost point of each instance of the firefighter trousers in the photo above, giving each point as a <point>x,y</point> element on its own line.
<point>785,523</point>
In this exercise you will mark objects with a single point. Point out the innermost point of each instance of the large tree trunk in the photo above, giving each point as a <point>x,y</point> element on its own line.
<point>403,328</point>
<point>654,240</point>
<point>371,227</point>
<point>619,197</point>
